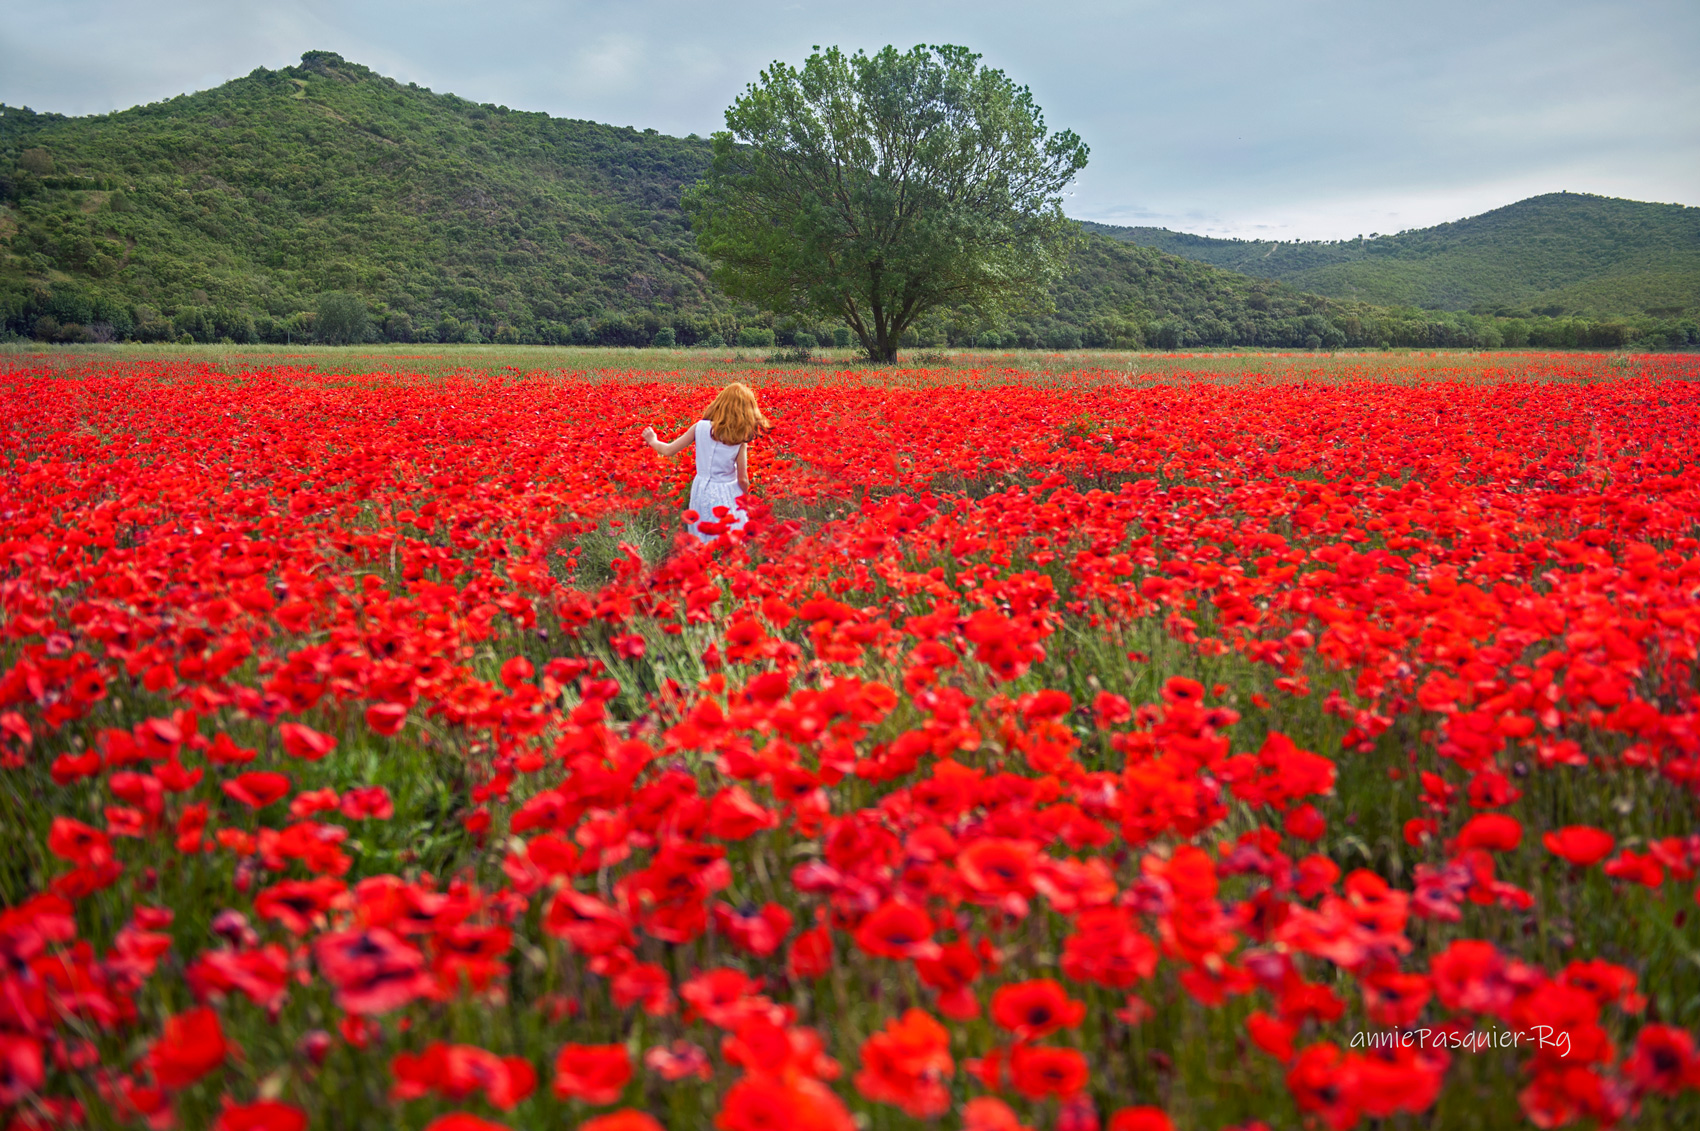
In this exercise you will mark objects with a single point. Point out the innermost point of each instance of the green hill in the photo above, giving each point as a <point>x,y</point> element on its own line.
<point>1553,255</point>
<point>231,213</point>
<point>252,199</point>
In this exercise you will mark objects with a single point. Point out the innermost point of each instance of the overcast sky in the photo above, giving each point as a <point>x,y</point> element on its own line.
<point>1312,119</point>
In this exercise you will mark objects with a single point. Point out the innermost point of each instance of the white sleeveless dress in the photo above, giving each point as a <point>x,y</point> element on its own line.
<point>716,482</point>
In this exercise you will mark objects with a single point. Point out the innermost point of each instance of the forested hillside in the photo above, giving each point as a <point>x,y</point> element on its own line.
<point>1552,255</point>
<point>249,201</point>
<point>242,212</point>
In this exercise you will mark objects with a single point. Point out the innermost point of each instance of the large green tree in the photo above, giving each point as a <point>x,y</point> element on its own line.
<point>876,188</point>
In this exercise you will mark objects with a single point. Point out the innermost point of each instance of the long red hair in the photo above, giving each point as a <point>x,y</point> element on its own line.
<point>734,416</point>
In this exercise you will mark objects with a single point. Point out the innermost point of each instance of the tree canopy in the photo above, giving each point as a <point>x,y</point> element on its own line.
<point>877,188</point>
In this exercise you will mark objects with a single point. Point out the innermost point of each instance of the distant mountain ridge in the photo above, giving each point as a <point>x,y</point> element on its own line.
<point>232,213</point>
<point>1557,254</point>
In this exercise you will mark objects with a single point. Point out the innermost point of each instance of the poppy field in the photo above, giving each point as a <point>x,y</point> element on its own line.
<point>1081,752</point>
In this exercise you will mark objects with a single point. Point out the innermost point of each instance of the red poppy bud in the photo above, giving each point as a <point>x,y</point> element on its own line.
<point>315,1045</point>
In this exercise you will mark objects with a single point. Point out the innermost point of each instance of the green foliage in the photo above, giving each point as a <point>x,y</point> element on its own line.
<point>224,216</point>
<point>874,189</point>
<point>275,188</point>
<point>1553,255</point>
<point>341,319</point>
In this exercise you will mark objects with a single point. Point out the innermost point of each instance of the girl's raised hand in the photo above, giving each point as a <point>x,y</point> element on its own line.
<point>649,434</point>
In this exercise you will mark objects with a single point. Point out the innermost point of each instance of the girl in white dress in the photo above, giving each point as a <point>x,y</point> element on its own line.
<point>722,439</point>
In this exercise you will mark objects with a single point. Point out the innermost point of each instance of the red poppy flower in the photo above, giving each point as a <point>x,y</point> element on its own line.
<point>305,742</point>
<point>516,670</point>
<point>311,801</point>
<point>761,1104</point>
<point>596,1074</point>
<point>734,815</point>
<point>1470,975</point>
<point>265,1115</point>
<point>906,1063</point>
<point>1390,1081</point>
<point>190,1045</point>
<point>225,752</point>
<point>82,845</point>
<point>1111,709</point>
<point>1106,948</point>
<point>811,954</point>
<point>723,997</point>
<point>1495,832</point>
<point>458,1071</point>
<point>1396,999</point>
<point>1305,823</point>
<point>386,718</point>
<point>1036,1009</point>
<point>1582,845</point>
<point>1606,982</point>
<point>1663,1060</point>
<point>590,925</point>
<point>757,932</point>
<point>995,867</point>
<point>370,802</point>
<point>988,1113</point>
<point>1038,1071</point>
<point>895,930</point>
<point>1271,1035</point>
<point>952,973</point>
<point>678,1060</point>
<point>373,970</point>
<point>22,1068</point>
<point>626,1119</point>
<point>1637,867</point>
<point>68,768</point>
<point>767,1046</point>
<point>553,855</point>
<point>257,788</point>
<point>159,738</point>
<point>1141,1119</point>
<point>643,983</point>
<point>461,1121</point>
<point>1323,1081</point>
<point>300,905</point>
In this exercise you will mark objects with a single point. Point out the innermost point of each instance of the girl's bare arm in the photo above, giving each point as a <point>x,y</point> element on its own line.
<point>672,447</point>
<point>743,467</point>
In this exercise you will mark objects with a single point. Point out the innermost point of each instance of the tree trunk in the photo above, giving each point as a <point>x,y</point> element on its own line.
<point>887,336</point>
